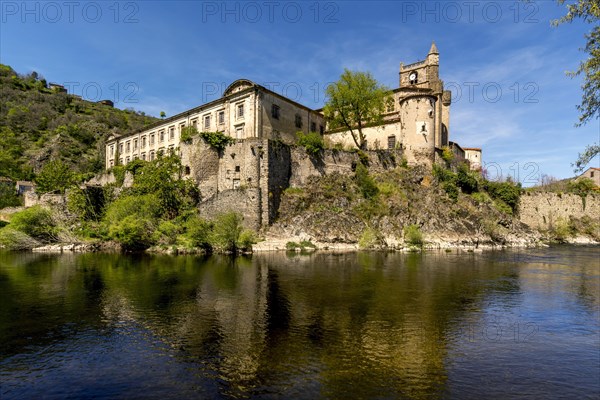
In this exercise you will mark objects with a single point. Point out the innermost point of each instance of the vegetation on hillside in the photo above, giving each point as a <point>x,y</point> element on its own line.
<point>407,203</point>
<point>39,125</point>
<point>159,209</point>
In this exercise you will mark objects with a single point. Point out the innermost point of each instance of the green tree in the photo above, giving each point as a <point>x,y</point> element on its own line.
<point>589,12</point>
<point>163,114</point>
<point>355,101</point>
<point>54,175</point>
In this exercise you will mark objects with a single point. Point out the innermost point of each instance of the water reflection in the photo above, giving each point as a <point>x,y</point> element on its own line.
<point>288,325</point>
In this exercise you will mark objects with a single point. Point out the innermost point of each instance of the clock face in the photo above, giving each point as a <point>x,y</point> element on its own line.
<point>412,76</point>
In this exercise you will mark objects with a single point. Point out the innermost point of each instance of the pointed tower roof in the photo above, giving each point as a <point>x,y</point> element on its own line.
<point>433,49</point>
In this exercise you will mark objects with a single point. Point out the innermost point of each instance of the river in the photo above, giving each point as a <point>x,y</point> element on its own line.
<point>502,324</point>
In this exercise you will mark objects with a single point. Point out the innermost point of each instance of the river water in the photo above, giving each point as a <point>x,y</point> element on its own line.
<point>505,324</point>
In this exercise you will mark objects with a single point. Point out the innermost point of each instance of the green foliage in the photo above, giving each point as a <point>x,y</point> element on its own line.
<point>581,186</point>
<point>312,142</point>
<point>132,219</point>
<point>561,230</point>
<point>588,11</point>
<point>167,232</point>
<point>353,102</point>
<point>162,177</point>
<point>451,190</point>
<point>36,222</point>
<point>447,154</point>
<point>8,195</point>
<point>87,204</point>
<point>13,239</point>
<point>54,175</point>
<point>134,232</point>
<point>369,238</point>
<point>229,235</point>
<point>119,173</point>
<point>198,231</point>
<point>39,123</point>
<point>584,158</point>
<point>466,180</point>
<point>365,182</point>
<point>413,235</point>
<point>217,140</point>
<point>507,192</point>
<point>188,133</point>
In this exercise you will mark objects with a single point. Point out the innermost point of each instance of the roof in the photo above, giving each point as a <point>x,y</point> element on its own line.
<point>433,49</point>
<point>472,148</point>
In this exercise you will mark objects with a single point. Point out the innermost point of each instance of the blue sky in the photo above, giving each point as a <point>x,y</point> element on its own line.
<point>502,60</point>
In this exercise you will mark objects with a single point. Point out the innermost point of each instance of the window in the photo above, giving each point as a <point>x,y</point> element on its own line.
<point>144,156</point>
<point>195,123</point>
<point>172,149</point>
<point>128,146</point>
<point>221,117</point>
<point>120,147</point>
<point>591,174</point>
<point>152,139</point>
<point>135,142</point>
<point>143,141</point>
<point>236,183</point>
<point>187,170</point>
<point>160,152</point>
<point>275,111</point>
<point>171,133</point>
<point>239,132</point>
<point>207,122</point>
<point>390,105</point>
<point>313,127</point>
<point>161,136</point>
<point>127,160</point>
<point>298,121</point>
<point>237,168</point>
<point>111,163</point>
<point>152,155</point>
<point>120,161</point>
<point>112,150</point>
<point>391,142</point>
<point>240,111</point>
<point>321,129</point>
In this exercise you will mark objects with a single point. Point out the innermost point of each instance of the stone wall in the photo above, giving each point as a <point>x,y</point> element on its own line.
<point>328,161</point>
<point>542,210</point>
<point>244,201</point>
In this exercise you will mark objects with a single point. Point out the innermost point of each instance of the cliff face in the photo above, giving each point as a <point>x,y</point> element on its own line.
<point>332,209</point>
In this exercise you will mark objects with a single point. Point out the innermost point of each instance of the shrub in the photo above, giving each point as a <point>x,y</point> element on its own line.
<point>413,235</point>
<point>198,231</point>
<point>466,180</point>
<point>365,182</point>
<point>229,235</point>
<point>8,196</point>
<point>54,175</point>
<point>134,232</point>
<point>451,190</point>
<point>166,232</point>
<point>507,192</point>
<point>217,140</point>
<point>188,133</point>
<point>13,239</point>
<point>369,238</point>
<point>561,230</point>
<point>36,222</point>
<point>312,142</point>
<point>447,154</point>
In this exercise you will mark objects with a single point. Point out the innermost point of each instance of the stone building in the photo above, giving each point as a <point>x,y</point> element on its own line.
<point>473,155</point>
<point>250,175</point>
<point>593,174</point>
<point>245,111</point>
<point>417,117</point>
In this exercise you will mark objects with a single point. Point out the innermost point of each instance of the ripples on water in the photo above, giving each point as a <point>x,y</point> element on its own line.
<point>517,324</point>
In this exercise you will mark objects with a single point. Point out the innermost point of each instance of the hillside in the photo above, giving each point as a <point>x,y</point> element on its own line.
<point>38,124</point>
<point>396,208</point>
